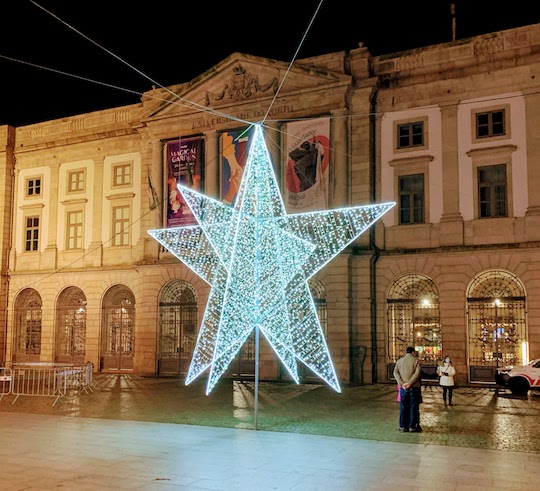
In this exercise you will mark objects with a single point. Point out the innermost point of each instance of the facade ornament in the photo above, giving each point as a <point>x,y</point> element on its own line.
<point>241,86</point>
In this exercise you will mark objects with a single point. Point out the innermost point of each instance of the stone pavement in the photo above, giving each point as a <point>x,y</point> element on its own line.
<point>154,433</point>
<point>40,452</point>
<point>481,417</point>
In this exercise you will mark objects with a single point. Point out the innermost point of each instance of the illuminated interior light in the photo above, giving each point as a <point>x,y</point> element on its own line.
<point>525,352</point>
<point>257,260</point>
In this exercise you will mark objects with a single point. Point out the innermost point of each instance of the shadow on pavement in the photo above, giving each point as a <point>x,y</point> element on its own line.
<point>480,418</point>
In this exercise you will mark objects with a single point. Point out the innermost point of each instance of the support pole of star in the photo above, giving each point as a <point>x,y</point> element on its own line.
<point>257,330</point>
<point>256,394</point>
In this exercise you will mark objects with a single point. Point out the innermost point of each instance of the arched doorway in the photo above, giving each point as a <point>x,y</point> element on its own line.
<point>496,324</point>
<point>27,340</point>
<point>414,320</point>
<point>70,340</point>
<point>178,322</point>
<point>118,332</point>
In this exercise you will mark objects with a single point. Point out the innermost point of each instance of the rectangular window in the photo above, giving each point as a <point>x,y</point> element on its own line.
<point>121,225</point>
<point>31,241</point>
<point>411,199</point>
<point>122,175</point>
<point>490,124</point>
<point>410,135</point>
<point>492,191</point>
<point>74,229</point>
<point>33,186</point>
<point>76,181</point>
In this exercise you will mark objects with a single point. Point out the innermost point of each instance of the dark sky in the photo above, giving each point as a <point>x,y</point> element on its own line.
<point>172,42</point>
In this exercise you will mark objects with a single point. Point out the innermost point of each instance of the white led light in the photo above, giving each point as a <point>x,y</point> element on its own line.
<point>258,260</point>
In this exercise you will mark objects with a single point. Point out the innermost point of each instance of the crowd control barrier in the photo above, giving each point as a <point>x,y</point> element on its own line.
<point>43,380</point>
<point>5,382</point>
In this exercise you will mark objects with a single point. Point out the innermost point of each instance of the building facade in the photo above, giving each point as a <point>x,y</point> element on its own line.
<point>449,132</point>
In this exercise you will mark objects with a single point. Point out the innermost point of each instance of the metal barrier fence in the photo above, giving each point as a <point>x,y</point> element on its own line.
<point>43,380</point>
<point>5,382</point>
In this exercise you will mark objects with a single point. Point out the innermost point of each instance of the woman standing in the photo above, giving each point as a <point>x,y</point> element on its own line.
<point>447,372</point>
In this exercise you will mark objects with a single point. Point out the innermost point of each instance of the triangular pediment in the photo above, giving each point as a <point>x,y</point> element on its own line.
<point>237,80</point>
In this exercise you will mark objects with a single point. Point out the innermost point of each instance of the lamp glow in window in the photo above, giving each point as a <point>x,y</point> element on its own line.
<point>258,260</point>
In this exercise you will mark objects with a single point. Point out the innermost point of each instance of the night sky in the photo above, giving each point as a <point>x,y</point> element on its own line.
<point>171,42</point>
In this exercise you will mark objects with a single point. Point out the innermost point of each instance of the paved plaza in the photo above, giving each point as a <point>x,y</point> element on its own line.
<point>150,433</point>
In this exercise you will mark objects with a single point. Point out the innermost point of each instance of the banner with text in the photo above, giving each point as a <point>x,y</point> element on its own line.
<point>184,160</point>
<point>307,165</point>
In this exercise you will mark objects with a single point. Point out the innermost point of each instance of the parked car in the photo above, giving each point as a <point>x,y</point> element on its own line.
<point>520,379</point>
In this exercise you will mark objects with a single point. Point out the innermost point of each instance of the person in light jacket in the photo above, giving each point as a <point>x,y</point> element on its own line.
<point>447,372</point>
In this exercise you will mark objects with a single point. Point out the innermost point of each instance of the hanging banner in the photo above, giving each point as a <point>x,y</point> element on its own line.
<point>234,151</point>
<point>307,168</point>
<point>184,166</point>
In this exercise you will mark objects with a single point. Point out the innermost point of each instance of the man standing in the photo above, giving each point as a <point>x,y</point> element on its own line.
<point>407,374</point>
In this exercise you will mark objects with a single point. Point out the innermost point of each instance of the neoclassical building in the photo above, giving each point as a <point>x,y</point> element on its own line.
<point>450,132</point>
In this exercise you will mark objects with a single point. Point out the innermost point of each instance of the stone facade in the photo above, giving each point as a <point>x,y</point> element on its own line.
<point>451,249</point>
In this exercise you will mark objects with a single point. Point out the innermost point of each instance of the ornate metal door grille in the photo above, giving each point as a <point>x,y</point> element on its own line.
<point>71,326</point>
<point>27,326</point>
<point>497,326</point>
<point>118,329</point>
<point>414,318</point>
<point>178,314</point>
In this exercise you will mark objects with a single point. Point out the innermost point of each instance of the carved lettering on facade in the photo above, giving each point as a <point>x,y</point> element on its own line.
<point>248,116</point>
<point>241,87</point>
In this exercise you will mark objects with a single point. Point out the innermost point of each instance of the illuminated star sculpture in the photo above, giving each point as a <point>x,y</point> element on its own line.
<point>257,260</point>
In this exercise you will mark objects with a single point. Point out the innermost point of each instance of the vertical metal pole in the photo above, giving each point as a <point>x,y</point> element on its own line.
<point>256,395</point>
<point>257,286</point>
<point>453,14</point>
<point>497,332</point>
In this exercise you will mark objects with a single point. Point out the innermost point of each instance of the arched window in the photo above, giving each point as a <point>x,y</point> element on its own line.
<point>118,333</point>
<point>27,345</point>
<point>70,326</point>
<point>413,318</point>
<point>496,323</point>
<point>178,322</point>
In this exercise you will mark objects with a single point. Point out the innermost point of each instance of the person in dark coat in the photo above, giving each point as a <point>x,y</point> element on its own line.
<point>407,374</point>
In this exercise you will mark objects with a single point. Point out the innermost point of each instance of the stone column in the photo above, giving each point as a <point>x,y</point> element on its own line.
<point>339,162</point>
<point>273,143</point>
<point>50,255</point>
<point>532,216</point>
<point>211,171</point>
<point>95,253</point>
<point>451,226</point>
<point>155,217</point>
<point>156,173</point>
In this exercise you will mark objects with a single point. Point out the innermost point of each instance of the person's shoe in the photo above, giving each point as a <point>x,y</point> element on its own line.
<point>418,429</point>
<point>404,430</point>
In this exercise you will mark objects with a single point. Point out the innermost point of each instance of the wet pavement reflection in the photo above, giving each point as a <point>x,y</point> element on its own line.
<point>481,417</point>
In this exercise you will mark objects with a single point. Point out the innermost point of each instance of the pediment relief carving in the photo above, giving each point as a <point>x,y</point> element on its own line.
<point>241,79</point>
<point>241,86</point>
